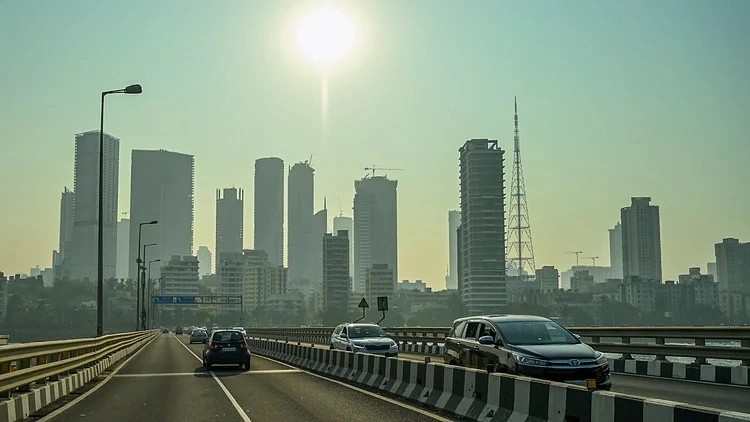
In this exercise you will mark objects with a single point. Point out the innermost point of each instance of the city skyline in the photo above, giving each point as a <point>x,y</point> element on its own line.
<point>576,133</point>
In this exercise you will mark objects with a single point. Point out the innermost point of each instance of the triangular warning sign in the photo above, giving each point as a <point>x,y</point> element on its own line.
<point>363,304</point>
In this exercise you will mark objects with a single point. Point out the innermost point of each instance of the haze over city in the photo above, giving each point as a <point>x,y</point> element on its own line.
<point>615,101</point>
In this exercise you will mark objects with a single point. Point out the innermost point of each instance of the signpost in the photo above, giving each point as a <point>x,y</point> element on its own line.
<point>382,306</point>
<point>202,300</point>
<point>362,304</point>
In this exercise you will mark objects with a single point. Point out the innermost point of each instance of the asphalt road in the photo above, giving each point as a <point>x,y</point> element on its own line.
<point>165,381</point>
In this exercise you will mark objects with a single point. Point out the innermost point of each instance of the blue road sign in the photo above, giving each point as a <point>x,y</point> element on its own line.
<point>198,300</point>
<point>179,300</point>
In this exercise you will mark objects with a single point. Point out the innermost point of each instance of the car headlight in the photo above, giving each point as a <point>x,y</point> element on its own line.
<point>358,346</point>
<point>394,345</point>
<point>527,360</point>
<point>601,359</point>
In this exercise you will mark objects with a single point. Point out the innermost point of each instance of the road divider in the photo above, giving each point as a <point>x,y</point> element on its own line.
<point>481,396</point>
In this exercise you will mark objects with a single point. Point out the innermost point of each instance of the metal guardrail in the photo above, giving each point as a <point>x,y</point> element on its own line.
<point>24,364</point>
<point>628,339</point>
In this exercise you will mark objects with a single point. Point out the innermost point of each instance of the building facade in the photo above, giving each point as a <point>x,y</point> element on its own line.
<point>205,261</point>
<point>81,259</point>
<point>345,223</point>
<point>615,250</point>
<point>548,278</point>
<point>229,221</point>
<point>641,240</point>
<point>161,189</point>
<point>268,210</point>
<point>454,220</point>
<point>336,271</point>
<point>375,227</point>
<point>180,277</point>
<point>379,281</point>
<point>482,235</point>
<point>733,270</point>
<point>300,203</point>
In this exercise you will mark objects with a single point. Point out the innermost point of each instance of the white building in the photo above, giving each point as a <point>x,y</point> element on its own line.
<point>180,276</point>
<point>205,266</point>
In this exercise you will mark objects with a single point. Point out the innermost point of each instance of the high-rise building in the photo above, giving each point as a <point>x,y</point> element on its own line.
<point>483,283</point>
<point>641,240</point>
<point>67,206</point>
<point>229,221</point>
<point>204,261</point>
<point>315,244</point>
<point>180,276</point>
<point>82,259</point>
<point>615,251</point>
<point>336,272</point>
<point>269,208</point>
<point>375,227</point>
<point>379,281</point>
<point>161,189</point>
<point>342,222</point>
<point>300,223</point>
<point>548,278</point>
<point>582,282</point>
<point>230,269</point>
<point>454,220</point>
<point>253,262</point>
<point>733,265</point>
<point>123,248</point>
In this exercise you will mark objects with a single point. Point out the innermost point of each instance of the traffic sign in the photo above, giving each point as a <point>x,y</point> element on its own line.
<point>363,304</point>
<point>382,303</point>
<point>198,300</point>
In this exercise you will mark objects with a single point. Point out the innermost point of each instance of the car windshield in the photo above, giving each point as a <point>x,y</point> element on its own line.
<point>527,333</point>
<point>227,336</point>
<point>363,331</point>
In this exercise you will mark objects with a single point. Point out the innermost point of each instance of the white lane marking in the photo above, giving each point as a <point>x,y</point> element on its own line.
<point>72,403</point>
<point>369,393</point>
<point>205,374</point>
<point>229,395</point>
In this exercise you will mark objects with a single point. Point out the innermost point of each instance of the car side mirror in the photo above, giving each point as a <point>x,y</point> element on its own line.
<point>487,340</point>
<point>343,335</point>
<point>577,336</point>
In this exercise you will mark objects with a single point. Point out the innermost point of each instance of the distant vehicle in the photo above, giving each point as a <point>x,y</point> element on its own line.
<point>363,338</point>
<point>242,330</point>
<point>526,345</point>
<point>164,331</point>
<point>226,347</point>
<point>198,336</point>
<point>178,330</point>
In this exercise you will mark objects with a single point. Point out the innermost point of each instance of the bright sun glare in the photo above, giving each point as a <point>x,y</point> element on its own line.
<point>325,35</point>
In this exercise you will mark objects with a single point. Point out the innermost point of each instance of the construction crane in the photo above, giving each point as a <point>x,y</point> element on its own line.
<point>577,253</point>
<point>375,168</point>
<point>593,259</point>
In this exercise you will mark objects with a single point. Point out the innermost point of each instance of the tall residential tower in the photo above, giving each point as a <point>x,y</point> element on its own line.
<point>483,283</point>
<point>641,240</point>
<point>269,208</point>
<point>229,221</point>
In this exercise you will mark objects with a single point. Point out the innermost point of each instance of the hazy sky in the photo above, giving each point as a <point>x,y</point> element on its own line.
<point>617,99</point>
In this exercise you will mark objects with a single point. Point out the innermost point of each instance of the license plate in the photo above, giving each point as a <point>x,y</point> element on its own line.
<point>589,383</point>
<point>229,349</point>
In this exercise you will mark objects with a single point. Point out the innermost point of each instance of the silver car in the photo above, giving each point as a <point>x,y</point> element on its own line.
<point>198,336</point>
<point>363,338</point>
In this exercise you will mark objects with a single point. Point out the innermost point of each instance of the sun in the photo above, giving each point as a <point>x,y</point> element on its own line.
<point>325,35</point>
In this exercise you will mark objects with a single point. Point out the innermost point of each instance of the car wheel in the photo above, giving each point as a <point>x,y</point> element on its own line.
<point>330,346</point>
<point>247,364</point>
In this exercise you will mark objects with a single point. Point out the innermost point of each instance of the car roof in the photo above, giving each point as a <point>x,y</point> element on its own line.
<point>360,324</point>
<point>503,318</point>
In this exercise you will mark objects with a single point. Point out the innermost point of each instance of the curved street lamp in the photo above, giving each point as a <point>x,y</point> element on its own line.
<point>130,89</point>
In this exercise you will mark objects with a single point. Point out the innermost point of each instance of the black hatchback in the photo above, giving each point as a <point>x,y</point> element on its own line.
<point>526,345</point>
<point>226,347</point>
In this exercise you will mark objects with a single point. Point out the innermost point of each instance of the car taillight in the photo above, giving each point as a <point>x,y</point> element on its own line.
<point>243,346</point>
<point>214,346</point>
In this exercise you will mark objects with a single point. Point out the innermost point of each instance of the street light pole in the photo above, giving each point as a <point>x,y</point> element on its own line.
<point>138,262</point>
<point>150,314</point>
<point>131,89</point>
<point>142,308</point>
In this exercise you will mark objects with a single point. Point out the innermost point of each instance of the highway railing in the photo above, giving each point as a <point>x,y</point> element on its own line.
<point>730,343</point>
<point>22,365</point>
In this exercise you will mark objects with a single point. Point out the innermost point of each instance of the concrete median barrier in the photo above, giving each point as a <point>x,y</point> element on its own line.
<point>477,395</point>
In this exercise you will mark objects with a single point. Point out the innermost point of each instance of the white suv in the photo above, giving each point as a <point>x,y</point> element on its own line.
<point>363,338</point>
